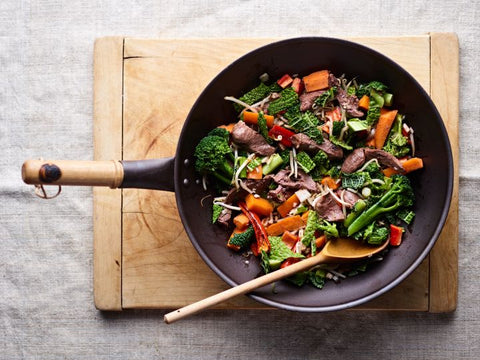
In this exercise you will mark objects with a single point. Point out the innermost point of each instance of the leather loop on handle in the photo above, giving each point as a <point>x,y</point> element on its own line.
<point>72,172</point>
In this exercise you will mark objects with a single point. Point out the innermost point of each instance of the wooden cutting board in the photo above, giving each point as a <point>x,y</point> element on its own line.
<point>142,256</point>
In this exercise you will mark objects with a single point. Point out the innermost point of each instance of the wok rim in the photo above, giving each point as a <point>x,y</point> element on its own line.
<point>438,229</point>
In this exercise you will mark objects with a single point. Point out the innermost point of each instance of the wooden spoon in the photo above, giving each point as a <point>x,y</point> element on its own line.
<point>338,250</point>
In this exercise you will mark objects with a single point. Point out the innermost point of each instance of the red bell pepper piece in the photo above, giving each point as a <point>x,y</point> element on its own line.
<point>286,134</point>
<point>289,261</point>
<point>284,81</point>
<point>263,244</point>
<point>396,233</point>
<point>334,115</point>
<point>298,85</point>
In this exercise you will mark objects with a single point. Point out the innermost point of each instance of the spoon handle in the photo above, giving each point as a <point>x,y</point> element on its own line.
<point>244,288</point>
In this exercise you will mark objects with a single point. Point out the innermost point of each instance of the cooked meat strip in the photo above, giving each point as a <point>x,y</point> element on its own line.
<point>328,208</point>
<point>303,142</point>
<point>349,103</point>
<point>249,139</point>
<point>307,99</point>
<point>353,161</point>
<point>303,181</point>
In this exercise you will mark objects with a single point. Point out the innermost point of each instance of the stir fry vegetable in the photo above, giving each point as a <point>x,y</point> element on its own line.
<point>310,159</point>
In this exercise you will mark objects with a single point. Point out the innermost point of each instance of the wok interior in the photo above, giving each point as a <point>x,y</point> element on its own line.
<point>303,56</point>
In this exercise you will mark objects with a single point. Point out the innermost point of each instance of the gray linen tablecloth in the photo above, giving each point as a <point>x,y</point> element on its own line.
<point>46,299</point>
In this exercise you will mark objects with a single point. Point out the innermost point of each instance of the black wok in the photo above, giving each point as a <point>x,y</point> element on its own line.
<point>433,184</point>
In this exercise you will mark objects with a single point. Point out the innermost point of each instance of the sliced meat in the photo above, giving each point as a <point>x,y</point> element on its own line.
<point>303,181</point>
<point>333,80</point>
<point>354,161</point>
<point>348,197</point>
<point>328,208</point>
<point>349,103</point>
<point>333,151</point>
<point>225,217</point>
<point>303,142</point>
<point>307,99</point>
<point>280,194</point>
<point>257,186</point>
<point>251,140</point>
<point>235,195</point>
<point>384,158</point>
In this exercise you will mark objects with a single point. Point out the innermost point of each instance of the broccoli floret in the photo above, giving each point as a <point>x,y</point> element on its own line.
<point>221,132</point>
<point>242,240</point>
<point>288,98</point>
<point>305,161</point>
<point>212,158</point>
<point>355,180</point>
<point>399,195</point>
<point>254,95</point>
<point>397,144</point>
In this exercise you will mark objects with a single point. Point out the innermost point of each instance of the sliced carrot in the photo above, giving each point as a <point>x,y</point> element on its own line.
<point>409,165</point>
<point>288,205</point>
<point>383,127</point>
<point>320,241</point>
<point>371,142</point>
<point>241,221</point>
<point>317,80</point>
<point>305,216</point>
<point>290,239</point>
<point>290,223</point>
<point>259,206</point>
<point>326,128</point>
<point>228,127</point>
<point>364,102</point>
<point>255,173</point>
<point>330,182</point>
<point>252,118</point>
<point>231,246</point>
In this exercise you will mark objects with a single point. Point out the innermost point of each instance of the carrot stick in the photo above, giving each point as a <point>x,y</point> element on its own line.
<point>320,241</point>
<point>255,173</point>
<point>409,165</point>
<point>364,102</point>
<point>241,221</point>
<point>252,118</point>
<point>228,127</point>
<point>330,182</point>
<point>289,239</point>
<point>289,223</point>
<point>383,127</point>
<point>288,205</point>
<point>316,81</point>
<point>258,205</point>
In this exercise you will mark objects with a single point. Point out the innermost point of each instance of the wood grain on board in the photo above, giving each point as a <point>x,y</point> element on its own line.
<point>159,267</point>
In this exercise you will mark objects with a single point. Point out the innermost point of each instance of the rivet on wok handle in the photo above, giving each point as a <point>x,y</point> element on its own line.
<point>49,173</point>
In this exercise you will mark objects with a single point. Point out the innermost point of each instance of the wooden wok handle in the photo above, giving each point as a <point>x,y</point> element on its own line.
<point>244,288</point>
<point>72,172</point>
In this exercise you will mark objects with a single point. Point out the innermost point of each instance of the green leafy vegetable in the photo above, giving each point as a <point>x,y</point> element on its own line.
<point>288,97</point>
<point>317,277</point>
<point>355,180</point>
<point>365,89</point>
<point>326,97</point>
<point>399,195</point>
<point>216,210</point>
<point>305,161</point>
<point>253,164</point>
<point>373,113</point>
<point>357,125</point>
<point>262,127</point>
<point>406,216</point>
<point>279,252</point>
<point>256,94</point>
<point>307,123</point>
<point>314,223</point>
<point>337,128</point>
